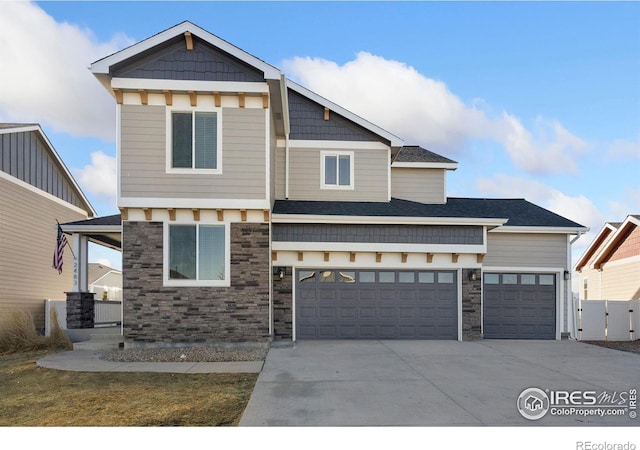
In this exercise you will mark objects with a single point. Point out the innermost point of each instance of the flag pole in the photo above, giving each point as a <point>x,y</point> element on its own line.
<point>67,243</point>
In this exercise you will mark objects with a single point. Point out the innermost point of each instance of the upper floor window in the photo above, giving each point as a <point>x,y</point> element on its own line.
<point>337,170</point>
<point>194,141</point>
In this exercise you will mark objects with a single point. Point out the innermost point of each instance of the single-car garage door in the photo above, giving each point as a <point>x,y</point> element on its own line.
<point>519,306</point>
<point>374,304</point>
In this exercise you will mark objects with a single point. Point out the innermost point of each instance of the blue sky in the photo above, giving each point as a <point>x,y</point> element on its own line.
<point>539,100</point>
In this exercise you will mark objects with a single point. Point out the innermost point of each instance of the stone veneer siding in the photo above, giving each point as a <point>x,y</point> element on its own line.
<point>471,306</point>
<point>283,306</point>
<point>155,315</point>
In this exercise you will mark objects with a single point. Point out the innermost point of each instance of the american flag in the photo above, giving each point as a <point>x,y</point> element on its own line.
<point>61,242</point>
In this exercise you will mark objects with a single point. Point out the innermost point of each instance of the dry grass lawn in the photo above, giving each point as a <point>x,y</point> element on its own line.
<point>35,396</point>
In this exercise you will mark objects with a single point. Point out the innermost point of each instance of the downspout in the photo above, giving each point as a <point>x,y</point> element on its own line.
<point>574,326</point>
<point>287,131</point>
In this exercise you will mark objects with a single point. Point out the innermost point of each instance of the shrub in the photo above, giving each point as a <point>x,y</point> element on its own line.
<point>19,334</point>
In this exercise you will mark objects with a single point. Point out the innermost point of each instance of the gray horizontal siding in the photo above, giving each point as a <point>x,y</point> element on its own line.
<point>526,250</point>
<point>370,176</point>
<point>418,185</point>
<point>387,234</point>
<point>307,123</point>
<point>172,61</point>
<point>25,156</point>
<point>143,157</point>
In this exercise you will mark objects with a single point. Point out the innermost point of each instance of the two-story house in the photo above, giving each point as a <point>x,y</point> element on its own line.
<point>254,210</point>
<point>36,190</point>
<point>609,269</point>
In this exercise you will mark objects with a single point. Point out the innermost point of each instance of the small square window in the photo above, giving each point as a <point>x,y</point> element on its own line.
<point>426,277</point>
<point>509,278</point>
<point>491,278</point>
<point>445,277</point>
<point>528,279</point>
<point>367,277</point>
<point>547,280</point>
<point>327,276</point>
<point>346,277</point>
<point>337,170</point>
<point>306,276</point>
<point>387,277</point>
<point>406,277</point>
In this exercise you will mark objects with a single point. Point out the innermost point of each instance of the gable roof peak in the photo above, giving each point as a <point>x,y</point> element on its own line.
<point>102,66</point>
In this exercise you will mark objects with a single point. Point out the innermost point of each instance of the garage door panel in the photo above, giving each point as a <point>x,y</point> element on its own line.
<point>517,306</point>
<point>385,305</point>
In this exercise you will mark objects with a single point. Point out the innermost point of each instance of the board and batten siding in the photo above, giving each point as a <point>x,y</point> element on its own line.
<point>371,174</point>
<point>526,250</point>
<point>27,241</point>
<point>418,185</point>
<point>143,157</point>
<point>621,280</point>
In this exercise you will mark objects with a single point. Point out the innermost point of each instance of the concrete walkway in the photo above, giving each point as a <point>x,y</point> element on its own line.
<point>89,361</point>
<point>431,383</point>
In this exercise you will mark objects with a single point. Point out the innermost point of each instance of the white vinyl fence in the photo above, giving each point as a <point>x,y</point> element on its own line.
<point>107,314</point>
<point>608,320</point>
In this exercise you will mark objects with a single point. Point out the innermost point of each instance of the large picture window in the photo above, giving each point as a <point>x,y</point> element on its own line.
<point>196,253</point>
<point>194,140</point>
<point>337,170</point>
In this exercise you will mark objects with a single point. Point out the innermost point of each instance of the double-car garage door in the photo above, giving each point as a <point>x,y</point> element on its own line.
<point>376,304</point>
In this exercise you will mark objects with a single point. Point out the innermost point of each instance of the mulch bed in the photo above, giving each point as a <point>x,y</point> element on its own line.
<point>626,346</point>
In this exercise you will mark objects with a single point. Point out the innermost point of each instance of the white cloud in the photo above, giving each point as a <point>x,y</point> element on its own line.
<point>623,150</point>
<point>423,111</point>
<point>99,177</point>
<point>578,208</point>
<point>45,76</point>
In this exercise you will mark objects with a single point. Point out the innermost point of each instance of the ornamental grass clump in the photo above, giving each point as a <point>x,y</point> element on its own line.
<point>18,334</point>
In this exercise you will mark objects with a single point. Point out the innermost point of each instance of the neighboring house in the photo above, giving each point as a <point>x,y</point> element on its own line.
<point>610,267</point>
<point>254,210</point>
<point>105,282</point>
<point>36,190</point>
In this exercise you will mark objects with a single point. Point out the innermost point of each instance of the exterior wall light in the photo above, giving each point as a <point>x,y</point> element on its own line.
<point>473,276</point>
<point>567,275</point>
<point>282,271</point>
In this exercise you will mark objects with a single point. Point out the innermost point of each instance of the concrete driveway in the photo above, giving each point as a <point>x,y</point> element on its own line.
<point>432,383</point>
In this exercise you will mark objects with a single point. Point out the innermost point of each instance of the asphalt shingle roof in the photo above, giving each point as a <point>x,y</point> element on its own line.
<point>519,212</point>
<point>99,221</point>
<point>417,154</point>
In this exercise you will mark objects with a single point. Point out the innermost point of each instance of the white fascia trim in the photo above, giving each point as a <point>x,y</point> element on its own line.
<point>91,228</point>
<point>621,262</point>
<point>22,129</point>
<point>375,247</point>
<point>543,230</point>
<point>511,269</point>
<point>590,250</point>
<point>614,239</point>
<point>425,165</point>
<point>312,218</point>
<point>46,195</point>
<point>189,85</point>
<point>395,141</point>
<point>142,202</point>
<point>337,145</point>
<point>102,66</point>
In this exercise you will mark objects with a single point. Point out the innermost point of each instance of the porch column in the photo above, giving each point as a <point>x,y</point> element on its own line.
<point>80,263</point>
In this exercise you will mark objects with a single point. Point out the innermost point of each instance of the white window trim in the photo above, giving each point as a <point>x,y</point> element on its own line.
<point>196,283</point>
<point>337,154</point>
<point>169,140</point>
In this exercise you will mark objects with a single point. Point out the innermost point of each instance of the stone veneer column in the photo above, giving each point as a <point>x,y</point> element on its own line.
<point>157,315</point>
<point>282,305</point>
<point>80,310</point>
<point>471,305</point>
